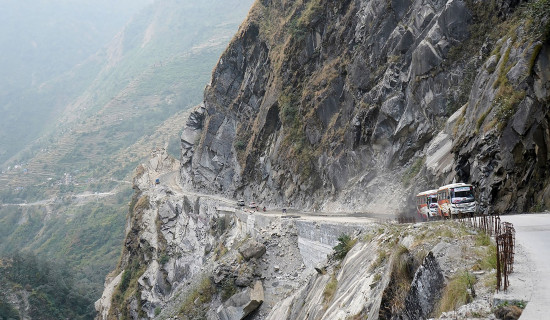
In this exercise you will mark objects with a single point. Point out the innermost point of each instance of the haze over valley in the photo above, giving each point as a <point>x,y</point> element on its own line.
<point>88,91</point>
<point>274,159</point>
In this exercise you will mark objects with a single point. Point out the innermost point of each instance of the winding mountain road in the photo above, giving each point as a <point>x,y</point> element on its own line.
<point>533,237</point>
<point>171,181</point>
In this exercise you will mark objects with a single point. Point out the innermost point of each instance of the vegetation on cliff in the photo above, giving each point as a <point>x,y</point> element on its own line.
<point>87,127</point>
<point>44,290</point>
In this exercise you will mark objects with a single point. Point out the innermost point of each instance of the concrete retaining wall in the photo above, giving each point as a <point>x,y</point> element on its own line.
<point>316,239</point>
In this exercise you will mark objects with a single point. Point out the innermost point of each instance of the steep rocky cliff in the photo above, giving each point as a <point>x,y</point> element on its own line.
<point>343,106</point>
<point>357,105</point>
<point>188,256</point>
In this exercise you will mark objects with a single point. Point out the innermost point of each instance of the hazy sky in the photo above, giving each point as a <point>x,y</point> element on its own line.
<point>41,38</point>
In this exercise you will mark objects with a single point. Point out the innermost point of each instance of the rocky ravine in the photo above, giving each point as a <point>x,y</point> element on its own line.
<point>189,256</point>
<point>323,104</point>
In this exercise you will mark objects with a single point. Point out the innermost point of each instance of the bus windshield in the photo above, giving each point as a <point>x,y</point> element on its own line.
<point>463,195</point>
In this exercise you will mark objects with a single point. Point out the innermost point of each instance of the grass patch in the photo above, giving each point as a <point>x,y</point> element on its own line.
<point>220,251</point>
<point>458,292</point>
<point>488,260</point>
<point>506,102</point>
<point>483,239</point>
<point>142,204</point>
<point>402,272</point>
<point>382,255</point>
<point>127,289</point>
<point>330,289</point>
<point>533,58</point>
<point>195,305</point>
<point>311,12</point>
<point>489,280</point>
<point>402,275</point>
<point>444,232</point>
<point>481,119</point>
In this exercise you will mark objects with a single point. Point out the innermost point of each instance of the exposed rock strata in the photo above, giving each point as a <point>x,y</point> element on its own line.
<point>323,104</point>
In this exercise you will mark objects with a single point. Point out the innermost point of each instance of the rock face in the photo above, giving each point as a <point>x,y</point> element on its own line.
<point>351,105</point>
<point>324,108</point>
<point>167,235</point>
<point>425,290</point>
<point>182,257</point>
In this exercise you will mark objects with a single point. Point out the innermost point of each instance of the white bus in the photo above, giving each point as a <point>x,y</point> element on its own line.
<point>456,199</point>
<point>426,205</point>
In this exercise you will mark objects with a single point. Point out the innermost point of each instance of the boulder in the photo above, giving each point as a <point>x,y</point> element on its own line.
<point>242,304</point>
<point>508,312</point>
<point>252,249</point>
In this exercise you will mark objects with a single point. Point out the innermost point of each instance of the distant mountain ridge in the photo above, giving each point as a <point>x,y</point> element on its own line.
<point>69,189</point>
<point>42,40</point>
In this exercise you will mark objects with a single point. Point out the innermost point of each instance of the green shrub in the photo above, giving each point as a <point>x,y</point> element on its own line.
<point>240,145</point>
<point>539,12</point>
<point>7,311</point>
<point>228,288</point>
<point>163,259</point>
<point>125,281</point>
<point>345,243</point>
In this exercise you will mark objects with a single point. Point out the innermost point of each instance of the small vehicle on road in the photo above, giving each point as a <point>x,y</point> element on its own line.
<point>240,203</point>
<point>253,205</point>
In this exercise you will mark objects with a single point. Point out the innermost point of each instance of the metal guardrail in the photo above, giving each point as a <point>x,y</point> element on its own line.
<point>505,237</point>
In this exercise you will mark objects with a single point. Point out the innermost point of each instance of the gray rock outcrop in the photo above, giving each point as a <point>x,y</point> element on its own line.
<point>326,113</point>
<point>242,304</point>
<point>425,290</point>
